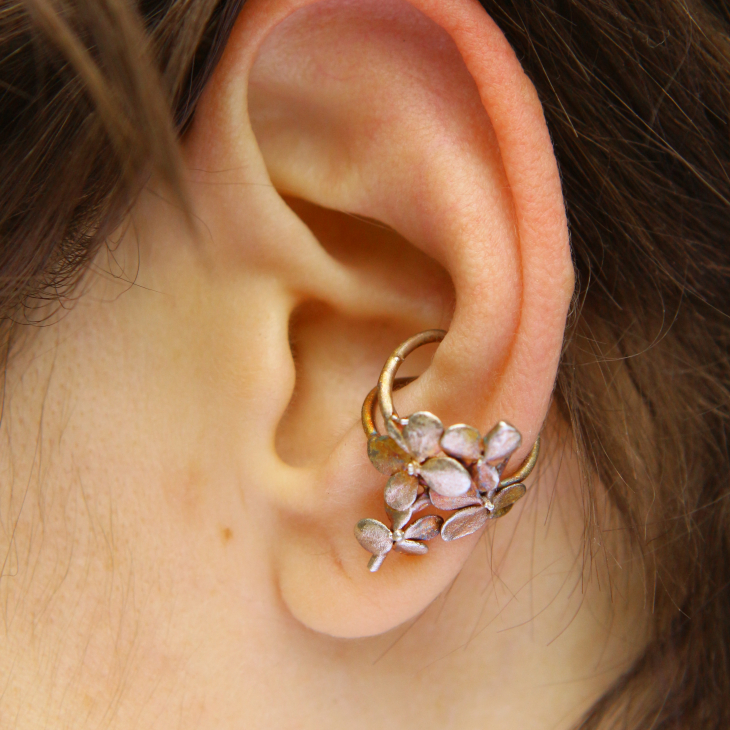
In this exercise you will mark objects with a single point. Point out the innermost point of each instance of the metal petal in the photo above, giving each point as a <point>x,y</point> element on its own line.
<point>501,442</point>
<point>411,547</point>
<point>401,491</point>
<point>395,432</point>
<point>464,523</point>
<point>462,442</point>
<point>374,536</point>
<point>421,503</point>
<point>425,529</point>
<point>387,457</point>
<point>448,504</point>
<point>375,562</point>
<point>487,477</point>
<point>446,476</point>
<point>508,496</point>
<point>398,518</point>
<point>500,512</point>
<point>422,435</point>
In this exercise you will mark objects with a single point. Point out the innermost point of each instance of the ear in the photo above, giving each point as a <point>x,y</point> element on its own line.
<point>320,119</point>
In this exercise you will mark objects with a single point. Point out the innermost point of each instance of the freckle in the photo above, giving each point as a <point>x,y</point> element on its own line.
<point>226,534</point>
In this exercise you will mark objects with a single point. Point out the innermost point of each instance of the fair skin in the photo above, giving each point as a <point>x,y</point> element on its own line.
<point>179,529</point>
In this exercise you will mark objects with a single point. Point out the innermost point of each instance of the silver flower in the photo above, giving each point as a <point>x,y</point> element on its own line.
<point>420,437</point>
<point>453,469</point>
<point>499,444</point>
<point>472,518</point>
<point>378,539</point>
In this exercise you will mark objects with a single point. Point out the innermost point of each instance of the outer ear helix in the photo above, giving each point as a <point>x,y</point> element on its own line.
<point>453,469</point>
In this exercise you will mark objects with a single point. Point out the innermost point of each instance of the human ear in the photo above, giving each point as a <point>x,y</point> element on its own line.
<point>320,118</point>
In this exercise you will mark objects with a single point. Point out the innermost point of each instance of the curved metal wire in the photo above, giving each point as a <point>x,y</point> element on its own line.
<point>382,394</point>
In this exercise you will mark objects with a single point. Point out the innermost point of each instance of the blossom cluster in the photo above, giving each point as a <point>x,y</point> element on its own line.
<point>453,469</point>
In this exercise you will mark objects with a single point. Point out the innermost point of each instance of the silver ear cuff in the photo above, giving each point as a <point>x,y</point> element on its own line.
<point>453,469</point>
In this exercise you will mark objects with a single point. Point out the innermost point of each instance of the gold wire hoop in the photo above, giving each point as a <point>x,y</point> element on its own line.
<point>387,374</point>
<point>368,407</point>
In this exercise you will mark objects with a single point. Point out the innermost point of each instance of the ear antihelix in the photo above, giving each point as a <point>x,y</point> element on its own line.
<point>453,470</point>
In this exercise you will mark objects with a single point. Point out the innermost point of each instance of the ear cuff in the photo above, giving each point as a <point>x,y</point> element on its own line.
<point>453,469</point>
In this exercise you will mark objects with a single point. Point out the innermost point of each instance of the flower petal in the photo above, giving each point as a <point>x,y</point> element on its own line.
<point>501,442</point>
<point>421,503</point>
<point>462,442</point>
<point>446,476</point>
<point>487,477</point>
<point>463,523</point>
<point>411,547</point>
<point>395,431</point>
<point>448,504</point>
<point>374,536</point>
<point>398,518</point>
<point>425,529</point>
<point>500,512</point>
<point>401,491</point>
<point>422,435</point>
<point>387,457</point>
<point>508,496</point>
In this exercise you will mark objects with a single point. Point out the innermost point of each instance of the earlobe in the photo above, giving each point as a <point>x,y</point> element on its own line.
<point>417,116</point>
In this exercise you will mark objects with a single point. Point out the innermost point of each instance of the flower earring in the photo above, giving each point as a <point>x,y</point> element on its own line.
<point>453,469</point>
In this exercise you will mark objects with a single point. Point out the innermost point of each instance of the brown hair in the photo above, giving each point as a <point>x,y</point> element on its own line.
<point>636,98</point>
